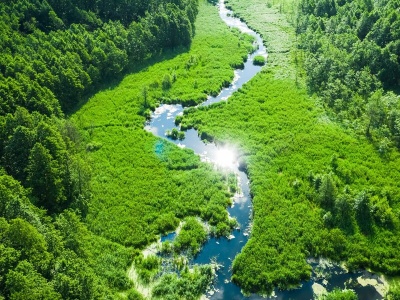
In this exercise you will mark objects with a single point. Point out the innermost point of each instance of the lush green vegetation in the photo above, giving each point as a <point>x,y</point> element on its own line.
<point>352,62</point>
<point>259,60</point>
<point>142,184</point>
<point>318,189</point>
<point>53,52</point>
<point>339,295</point>
<point>191,236</point>
<point>43,258</point>
<point>175,134</point>
<point>394,292</point>
<point>79,196</point>
<point>148,267</point>
<point>272,20</point>
<point>190,285</point>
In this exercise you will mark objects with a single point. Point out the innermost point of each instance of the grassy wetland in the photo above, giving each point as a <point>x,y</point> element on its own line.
<point>141,181</point>
<point>318,189</point>
<point>143,186</point>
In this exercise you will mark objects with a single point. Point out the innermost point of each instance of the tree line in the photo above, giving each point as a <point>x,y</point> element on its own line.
<point>47,64</point>
<point>352,62</point>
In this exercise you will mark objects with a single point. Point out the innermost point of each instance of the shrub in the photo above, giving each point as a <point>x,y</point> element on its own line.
<point>259,60</point>
<point>93,146</point>
<point>166,83</point>
<point>175,134</point>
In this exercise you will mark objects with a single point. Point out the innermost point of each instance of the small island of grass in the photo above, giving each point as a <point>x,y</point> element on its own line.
<point>259,60</point>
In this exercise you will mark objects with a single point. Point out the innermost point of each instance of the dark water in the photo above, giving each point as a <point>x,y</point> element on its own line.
<point>224,250</point>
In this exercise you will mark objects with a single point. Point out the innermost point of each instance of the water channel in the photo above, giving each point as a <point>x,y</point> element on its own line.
<point>325,276</point>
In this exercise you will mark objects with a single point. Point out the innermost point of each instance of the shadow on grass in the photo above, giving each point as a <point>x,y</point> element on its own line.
<point>109,83</point>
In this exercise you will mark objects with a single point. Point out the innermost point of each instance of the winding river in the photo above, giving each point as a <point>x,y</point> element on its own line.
<point>325,276</point>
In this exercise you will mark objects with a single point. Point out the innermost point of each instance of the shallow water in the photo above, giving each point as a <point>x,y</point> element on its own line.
<point>224,250</point>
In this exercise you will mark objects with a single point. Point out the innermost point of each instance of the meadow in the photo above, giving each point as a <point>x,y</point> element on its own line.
<point>318,189</point>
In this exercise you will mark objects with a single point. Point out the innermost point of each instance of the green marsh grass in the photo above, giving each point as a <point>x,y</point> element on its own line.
<point>290,146</point>
<point>259,60</point>
<point>142,185</point>
<point>319,189</point>
<point>275,28</point>
<point>133,186</point>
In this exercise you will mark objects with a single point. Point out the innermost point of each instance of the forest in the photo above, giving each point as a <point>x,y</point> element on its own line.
<point>352,62</point>
<point>54,52</point>
<point>84,189</point>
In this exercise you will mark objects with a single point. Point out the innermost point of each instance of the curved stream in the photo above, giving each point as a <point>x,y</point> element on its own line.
<point>223,250</point>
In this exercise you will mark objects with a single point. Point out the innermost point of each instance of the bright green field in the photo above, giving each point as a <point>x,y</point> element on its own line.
<point>318,189</point>
<point>141,185</point>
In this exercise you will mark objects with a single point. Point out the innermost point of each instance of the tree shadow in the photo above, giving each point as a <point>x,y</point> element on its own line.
<point>365,224</point>
<point>347,226</point>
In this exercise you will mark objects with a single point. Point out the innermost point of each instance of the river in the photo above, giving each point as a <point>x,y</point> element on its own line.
<point>325,275</point>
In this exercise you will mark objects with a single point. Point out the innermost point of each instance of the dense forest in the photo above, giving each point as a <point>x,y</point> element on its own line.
<point>52,52</point>
<point>352,62</point>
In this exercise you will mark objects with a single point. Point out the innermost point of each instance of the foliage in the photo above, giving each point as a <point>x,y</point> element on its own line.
<point>339,295</point>
<point>351,59</point>
<point>393,293</point>
<point>265,17</point>
<point>40,152</point>
<point>316,186</point>
<point>42,259</point>
<point>259,60</point>
<point>26,283</point>
<point>318,190</point>
<point>134,295</point>
<point>148,267</point>
<point>191,236</point>
<point>175,134</point>
<point>52,52</point>
<point>143,185</point>
<point>313,185</point>
<point>189,285</point>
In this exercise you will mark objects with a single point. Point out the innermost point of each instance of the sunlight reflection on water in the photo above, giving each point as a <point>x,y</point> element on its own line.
<point>226,158</point>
